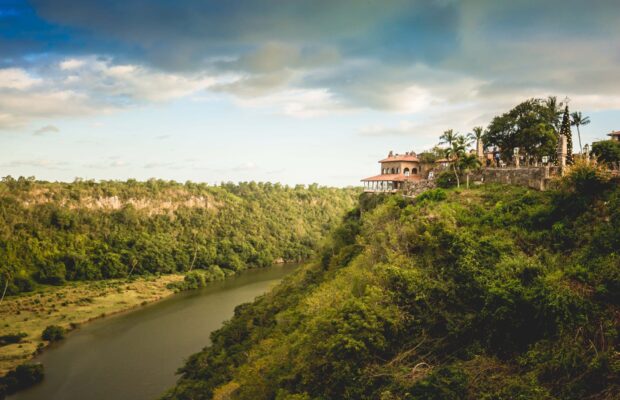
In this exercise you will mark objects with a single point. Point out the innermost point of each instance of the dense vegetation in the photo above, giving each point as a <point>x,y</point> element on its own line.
<point>53,232</point>
<point>492,293</point>
<point>21,377</point>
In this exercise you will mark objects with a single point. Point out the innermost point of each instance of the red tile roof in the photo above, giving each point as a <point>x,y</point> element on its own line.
<point>400,157</point>
<point>614,133</point>
<point>392,178</point>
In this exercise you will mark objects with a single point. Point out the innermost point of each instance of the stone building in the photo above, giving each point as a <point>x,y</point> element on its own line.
<point>399,169</point>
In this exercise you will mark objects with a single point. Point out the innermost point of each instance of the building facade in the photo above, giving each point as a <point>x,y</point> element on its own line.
<point>397,170</point>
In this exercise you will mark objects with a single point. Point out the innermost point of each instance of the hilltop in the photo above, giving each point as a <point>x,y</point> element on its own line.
<point>497,292</point>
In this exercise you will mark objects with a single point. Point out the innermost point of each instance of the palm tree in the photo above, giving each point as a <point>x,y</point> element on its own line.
<point>477,136</point>
<point>555,111</point>
<point>467,163</point>
<point>579,120</point>
<point>455,152</point>
<point>447,137</point>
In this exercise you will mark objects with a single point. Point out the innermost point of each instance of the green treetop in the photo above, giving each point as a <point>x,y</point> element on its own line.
<point>565,130</point>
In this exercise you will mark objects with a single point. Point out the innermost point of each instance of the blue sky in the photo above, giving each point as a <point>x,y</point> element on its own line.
<point>287,91</point>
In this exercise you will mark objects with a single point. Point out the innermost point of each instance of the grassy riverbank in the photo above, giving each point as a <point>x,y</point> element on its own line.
<point>69,306</point>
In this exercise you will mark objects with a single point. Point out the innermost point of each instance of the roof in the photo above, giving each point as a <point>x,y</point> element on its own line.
<point>400,157</point>
<point>614,133</point>
<point>392,178</point>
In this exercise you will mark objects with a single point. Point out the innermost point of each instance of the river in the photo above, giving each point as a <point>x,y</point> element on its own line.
<point>134,355</point>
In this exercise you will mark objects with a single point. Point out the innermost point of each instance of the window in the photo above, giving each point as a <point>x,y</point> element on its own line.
<point>406,171</point>
<point>414,170</point>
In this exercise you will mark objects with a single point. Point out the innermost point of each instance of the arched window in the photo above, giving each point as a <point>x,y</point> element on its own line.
<point>406,171</point>
<point>414,170</point>
<point>393,171</point>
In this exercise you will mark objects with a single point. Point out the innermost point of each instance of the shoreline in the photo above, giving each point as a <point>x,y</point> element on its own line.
<point>71,306</point>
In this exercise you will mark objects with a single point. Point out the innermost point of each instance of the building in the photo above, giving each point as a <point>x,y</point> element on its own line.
<point>399,169</point>
<point>615,135</point>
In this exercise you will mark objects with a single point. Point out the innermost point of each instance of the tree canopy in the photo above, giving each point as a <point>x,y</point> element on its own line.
<point>529,126</point>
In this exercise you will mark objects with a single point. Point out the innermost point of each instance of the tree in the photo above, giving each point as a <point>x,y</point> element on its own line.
<point>529,126</point>
<point>476,135</point>
<point>455,152</point>
<point>565,130</point>
<point>447,137</point>
<point>554,111</point>
<point>467,163</point>
<point>53,333</point>
<point>607,151</point>
<point>577,121</point>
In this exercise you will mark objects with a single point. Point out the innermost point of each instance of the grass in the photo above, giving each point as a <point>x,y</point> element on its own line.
<point>69,306</point>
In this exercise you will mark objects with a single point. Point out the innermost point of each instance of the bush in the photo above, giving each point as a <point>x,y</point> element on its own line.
<point>12,338</point>
<point>214,273</point>
<point>446,179</point>
<point>21,377</point>
<point>194,280</point>
<point>587,179</point>
<point>53,333</point>
<point>433,195</point>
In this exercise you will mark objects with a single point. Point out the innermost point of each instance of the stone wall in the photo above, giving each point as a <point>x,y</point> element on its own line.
<point>538,178</point>
<point>412,189</point>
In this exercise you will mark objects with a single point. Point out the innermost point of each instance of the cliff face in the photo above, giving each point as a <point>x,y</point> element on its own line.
<point>53,232</point>
<point>498,292</point>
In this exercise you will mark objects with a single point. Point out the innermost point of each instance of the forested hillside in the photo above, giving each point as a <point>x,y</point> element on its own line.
<point>492,293</point>
<point>53,232</point>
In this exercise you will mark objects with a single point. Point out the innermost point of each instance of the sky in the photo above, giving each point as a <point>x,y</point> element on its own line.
<point>283,90</point>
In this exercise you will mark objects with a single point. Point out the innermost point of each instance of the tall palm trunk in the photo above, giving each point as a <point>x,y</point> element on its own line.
<point>579,136</point>
<point>458,183</point>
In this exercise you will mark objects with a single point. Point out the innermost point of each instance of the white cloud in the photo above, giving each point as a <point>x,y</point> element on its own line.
<point>16,78</point>
<point>71,63</point>
<point>86,86</point>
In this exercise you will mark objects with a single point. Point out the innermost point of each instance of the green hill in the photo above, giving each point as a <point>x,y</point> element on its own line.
<point>492,293</point>
<point>54,232</point>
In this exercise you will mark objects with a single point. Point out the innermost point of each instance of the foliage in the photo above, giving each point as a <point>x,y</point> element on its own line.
<point>445,179</point>
<point>12,338</point>
<point>531,126</point>
<point>495,293</point>
<point>577,120</point>
<point>53,333</point>
<point>433,195</point>
<point>432,155</point>
<point>51,233</point>
<point>565,130</point>
<point>22,377</point>
<point>607,151</point>
<point>199,278</point>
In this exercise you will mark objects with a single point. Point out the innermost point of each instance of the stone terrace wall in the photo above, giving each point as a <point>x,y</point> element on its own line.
<point>534,177</point>
<point>412,189</point>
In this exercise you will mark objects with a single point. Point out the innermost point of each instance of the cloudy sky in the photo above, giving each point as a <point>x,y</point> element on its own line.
<point>282,90</point>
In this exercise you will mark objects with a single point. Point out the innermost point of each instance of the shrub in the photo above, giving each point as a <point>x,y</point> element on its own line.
<point>433,195</point>
<point>12,338</point>
<point>446,179</point>
<point>194,280</point>
<point>214,273</point>
<point>53,333</point>
<point>23,376</point>
<point>587,179</point>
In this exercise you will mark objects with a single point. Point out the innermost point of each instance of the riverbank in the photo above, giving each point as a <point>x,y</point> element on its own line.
<point>69,306</point>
